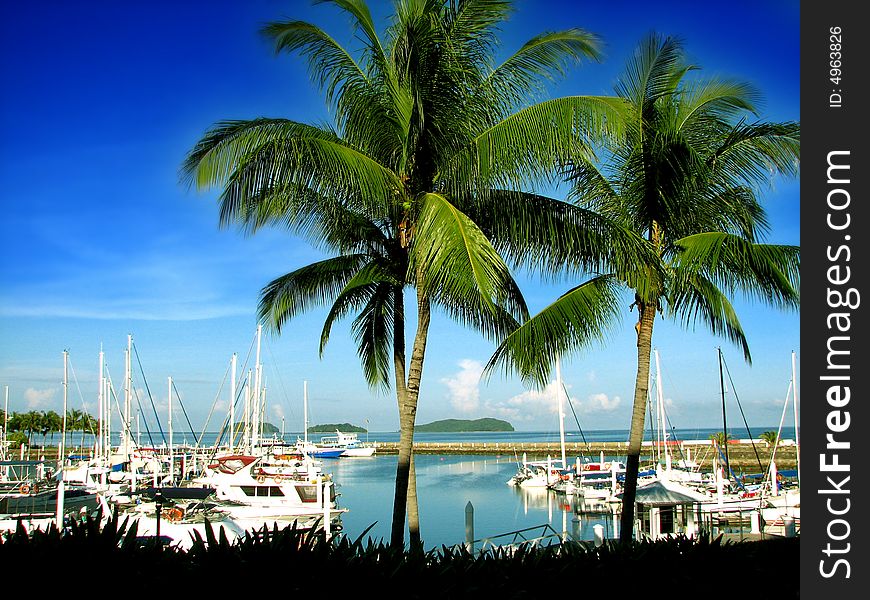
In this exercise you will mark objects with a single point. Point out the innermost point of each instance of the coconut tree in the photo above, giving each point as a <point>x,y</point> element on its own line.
<point>771,438</point>
<point>720,438</point>
<point>423,182</point>
<point>50,422</point>
<point>687,176</point>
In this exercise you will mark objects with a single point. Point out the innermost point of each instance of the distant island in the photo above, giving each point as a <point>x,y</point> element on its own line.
<point>331,427</point>
<point>464,425</point>
<point>268,428</point>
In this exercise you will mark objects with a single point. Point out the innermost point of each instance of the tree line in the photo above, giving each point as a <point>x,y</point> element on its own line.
<point>45,423</point>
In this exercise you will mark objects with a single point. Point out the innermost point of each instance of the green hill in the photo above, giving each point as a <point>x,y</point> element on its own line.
<point>464,425</point>
<point>331,427</point>
<point>268,428</point>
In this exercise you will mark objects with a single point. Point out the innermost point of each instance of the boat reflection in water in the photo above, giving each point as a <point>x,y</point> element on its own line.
<point>573,514</point>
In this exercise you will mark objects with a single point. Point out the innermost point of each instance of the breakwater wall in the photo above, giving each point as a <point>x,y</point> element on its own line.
<point>741,454</point>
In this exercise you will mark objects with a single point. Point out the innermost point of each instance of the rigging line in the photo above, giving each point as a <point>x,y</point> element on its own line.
<point>673,432</point>
<point>278,374</point>
<point>147,430</point>
<point>231,429</point>
<point>213,406</point>
<point>87,421</point>
<point>779,431</point>
<point>244,365</point>
<point>181,404</point>
<point>124,425</point>
<point>150,398</point>
<point>734,389</point>
<point>571,406</point>
<point>226,427</point>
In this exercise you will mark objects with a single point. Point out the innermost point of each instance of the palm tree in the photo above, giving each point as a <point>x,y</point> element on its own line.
<point>50,422</point>
<point>720,438</point>
<point>421,182</point>
<point>771,438</point>
<point>685,176</point>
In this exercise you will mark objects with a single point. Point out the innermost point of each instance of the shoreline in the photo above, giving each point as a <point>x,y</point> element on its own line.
<point>741,454</point>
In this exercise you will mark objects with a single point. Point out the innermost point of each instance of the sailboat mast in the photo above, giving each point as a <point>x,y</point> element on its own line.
<point>305,410</point>
<point>100,408</point>
<point>561,413</point>
<point>171,454</point>
<point>724,420</point>
<point>62,452</point>
<point>796,420</point>
<point>233,403</point>
<point>5,422</point>
<point>128,396</point>
<point>246,440</point>
<point>661,413</point>
<point>258,382</point>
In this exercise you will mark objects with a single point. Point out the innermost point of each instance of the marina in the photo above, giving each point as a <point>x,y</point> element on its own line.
<point>448,482</point>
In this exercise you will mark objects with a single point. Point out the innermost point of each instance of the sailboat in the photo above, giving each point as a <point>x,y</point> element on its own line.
<point>261,482</point>
<point>309,448</point>
<point>543,474</point>
<point>785,502</point>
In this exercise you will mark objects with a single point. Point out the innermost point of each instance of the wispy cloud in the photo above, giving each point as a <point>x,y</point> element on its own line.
<point>464,386</point>
<point>40,399</point>
<point>167,278</point>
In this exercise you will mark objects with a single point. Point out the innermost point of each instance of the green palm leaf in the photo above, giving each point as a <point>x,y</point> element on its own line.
<point>454,263</point>
<point>313,285</point>
<point>768,272</point>
<point>578,318</point>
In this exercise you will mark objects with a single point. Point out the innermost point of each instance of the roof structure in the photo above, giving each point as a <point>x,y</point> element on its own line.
<point>656,494</point>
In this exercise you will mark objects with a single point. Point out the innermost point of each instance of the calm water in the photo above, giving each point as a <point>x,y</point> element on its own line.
<point>445,485</point>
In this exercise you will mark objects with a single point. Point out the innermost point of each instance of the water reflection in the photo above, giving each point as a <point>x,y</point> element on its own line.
<point>445,484</point>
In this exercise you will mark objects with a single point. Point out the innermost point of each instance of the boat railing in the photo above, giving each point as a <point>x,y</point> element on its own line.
<point>530,537</point>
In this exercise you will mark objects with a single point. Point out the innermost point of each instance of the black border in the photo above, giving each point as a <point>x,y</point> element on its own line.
<point>826,129</point>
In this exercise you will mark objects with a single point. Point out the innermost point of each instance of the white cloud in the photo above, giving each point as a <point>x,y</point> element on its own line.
<point>39,399</point>
<point>464,386</point>
<point>540,404</point>
<point>600,402</point>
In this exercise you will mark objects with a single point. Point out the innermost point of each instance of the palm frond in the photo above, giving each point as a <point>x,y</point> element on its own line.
<point>576,320</point>
<point>753,152</point>
<point>653,71</point>
<point>714,100</point>
<point>555,238</point>
<point>359,10</point>
<point>357,292</point>
<point>305,288</point>
<point>330,65</point>
<point>454,263</point>
<point>543,59</point>
<point>250,157</point>
<point>695,299</point>
<point>767,272</point>
<point>373,332</point>
<point>532,144</point>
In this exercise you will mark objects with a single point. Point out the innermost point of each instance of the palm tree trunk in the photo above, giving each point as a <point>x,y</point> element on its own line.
<point>646,320</point>
<point>407,416</point>
<point>414,539</point>
<point>399,505</point>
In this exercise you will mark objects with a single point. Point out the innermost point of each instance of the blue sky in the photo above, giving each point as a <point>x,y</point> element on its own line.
<point>101,102</point>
